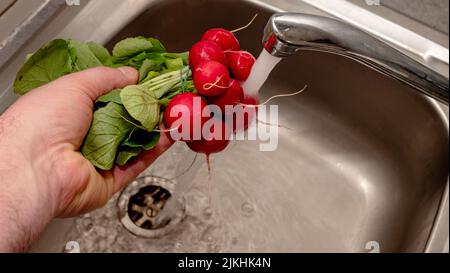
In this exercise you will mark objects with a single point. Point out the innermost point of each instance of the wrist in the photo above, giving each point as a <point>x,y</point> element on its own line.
<point>24,199</point>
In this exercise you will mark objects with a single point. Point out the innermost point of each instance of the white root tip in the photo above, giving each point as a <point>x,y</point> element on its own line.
<point>208,86</point>
<point>274,97</point>
<point>235,51</point>
<point>246,26</point>
<point>166,130</point>
<point>273,124</point>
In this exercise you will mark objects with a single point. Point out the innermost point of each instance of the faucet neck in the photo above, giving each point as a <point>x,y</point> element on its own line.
<point>287,33</point>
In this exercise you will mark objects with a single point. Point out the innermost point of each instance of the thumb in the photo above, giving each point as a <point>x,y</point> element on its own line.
<point>95,82</point>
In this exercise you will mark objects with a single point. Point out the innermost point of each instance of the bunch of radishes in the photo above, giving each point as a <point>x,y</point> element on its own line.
<point>218,66</point>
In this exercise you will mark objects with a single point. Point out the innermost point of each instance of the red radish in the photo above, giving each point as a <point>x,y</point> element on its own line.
<point>247,113</point>
<point>232,96</point>
<point>250,99</point>
<point>208,146</point>
<point>212,143</point>
<point>224,38</point>
<point>194,105</point>
<point>211,78</point>
<point>206,51</point>
<point>241,63</point>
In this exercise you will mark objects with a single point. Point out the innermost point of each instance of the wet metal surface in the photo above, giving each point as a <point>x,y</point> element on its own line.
<point>354,169</point>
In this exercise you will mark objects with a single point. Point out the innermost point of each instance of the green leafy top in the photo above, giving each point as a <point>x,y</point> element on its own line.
<point>124,120</point>
<point>142,105</point>
<point>132,46</point>
<point>58,58</point>
<point>101,53</point>
<point>82,56</point>
<point>138,141</point>
<point>114,96</point>
<point>110,127</point>
<point>50,62</point>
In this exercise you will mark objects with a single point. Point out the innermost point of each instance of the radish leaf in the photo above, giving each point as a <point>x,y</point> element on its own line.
<point>139,140</point>
<point>114,96</point>
<point>150,65</point>
<point>142,105</point>
<point>125,155</point>
<point>48,63</point>
<point>101,53</point>
<point>82,57</point>
<point>108,130</point>
<point>132,46</point>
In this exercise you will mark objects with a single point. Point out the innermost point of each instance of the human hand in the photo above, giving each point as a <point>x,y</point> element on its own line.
<point>42,173</point>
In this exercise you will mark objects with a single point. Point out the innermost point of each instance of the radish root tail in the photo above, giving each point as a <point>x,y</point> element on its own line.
<point>246,26</point>
<point>166,130</point>
<point>210,183</point>
<point>273,124</point>
<point>208,86</point>
<point>274,97</point>
<point>235,51</point>
<point>187,169</point>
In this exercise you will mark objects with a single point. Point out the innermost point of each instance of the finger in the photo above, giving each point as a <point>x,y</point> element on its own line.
<point>98,81</point>
<point>125,174</point>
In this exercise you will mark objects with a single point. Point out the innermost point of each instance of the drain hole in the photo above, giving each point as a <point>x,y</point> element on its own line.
<point>146,204</point>
<point>140,203</point>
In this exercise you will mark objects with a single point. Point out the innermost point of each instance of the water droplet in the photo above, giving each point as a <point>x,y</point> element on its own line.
<point>248,209</point>
<point>208,212</point>
<point>178,245</point>
<point>101,231</point>
<point>213,248</point>
<point>209,234</point>
<point>85,224</point>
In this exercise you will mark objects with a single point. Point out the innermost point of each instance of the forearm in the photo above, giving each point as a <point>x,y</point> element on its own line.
<point>42,172</point>
<point>24,208</point>
<point>18,222</point>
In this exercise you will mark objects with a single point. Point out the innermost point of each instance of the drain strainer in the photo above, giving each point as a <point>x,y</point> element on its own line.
<point>140,203</point>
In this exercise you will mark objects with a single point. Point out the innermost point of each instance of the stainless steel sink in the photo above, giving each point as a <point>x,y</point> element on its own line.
<point>363,166</point>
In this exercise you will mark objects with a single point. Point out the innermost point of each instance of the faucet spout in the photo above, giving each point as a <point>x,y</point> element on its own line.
<point>287,33</point>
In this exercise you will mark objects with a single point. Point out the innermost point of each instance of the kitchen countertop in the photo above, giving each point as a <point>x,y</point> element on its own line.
<point>433,13</point>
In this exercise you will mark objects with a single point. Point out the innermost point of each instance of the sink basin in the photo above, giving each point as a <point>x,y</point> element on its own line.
<point>363,165</point>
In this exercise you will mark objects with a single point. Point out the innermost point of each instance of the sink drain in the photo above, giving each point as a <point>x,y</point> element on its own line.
<point>140,203</point>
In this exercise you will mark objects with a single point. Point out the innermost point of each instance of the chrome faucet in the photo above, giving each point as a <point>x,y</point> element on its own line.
<point>287,33</point>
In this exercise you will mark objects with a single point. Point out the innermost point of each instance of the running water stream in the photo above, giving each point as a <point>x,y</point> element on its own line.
<point>260,72</point>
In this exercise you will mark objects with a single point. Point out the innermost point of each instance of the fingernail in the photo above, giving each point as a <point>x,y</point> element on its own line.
<point>129,72</point>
